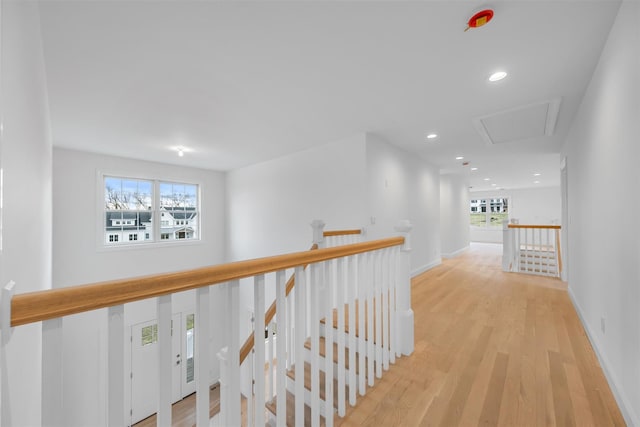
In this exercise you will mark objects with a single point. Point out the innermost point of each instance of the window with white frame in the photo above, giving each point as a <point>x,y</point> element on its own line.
<point>132,207</point>
<point>489,212</point>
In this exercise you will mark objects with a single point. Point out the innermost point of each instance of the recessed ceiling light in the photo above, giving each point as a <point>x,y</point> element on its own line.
<point>494,184</point>
<point>474,169</point>
<point>459,158</point>
<point>536,174</point>
<point>432,136</point>
<point>497,76</point>
<point>536,182</point>
<point>487,179</point>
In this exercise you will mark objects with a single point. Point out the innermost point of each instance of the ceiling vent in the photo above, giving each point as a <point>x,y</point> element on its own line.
<point>520,123</point>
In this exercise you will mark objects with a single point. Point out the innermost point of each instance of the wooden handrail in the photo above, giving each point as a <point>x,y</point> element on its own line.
<point>341,232</point>
<point>550,227</point>
<point>53,303</point>
<point>269,314</point>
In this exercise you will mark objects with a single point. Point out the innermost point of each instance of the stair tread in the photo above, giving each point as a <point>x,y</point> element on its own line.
<point>307,382</point>
<point>272,406</point>
<point>322,351</point>
<point>357,326</point>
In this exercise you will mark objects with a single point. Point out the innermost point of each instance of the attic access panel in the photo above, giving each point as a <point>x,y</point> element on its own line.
<point>520,123</point>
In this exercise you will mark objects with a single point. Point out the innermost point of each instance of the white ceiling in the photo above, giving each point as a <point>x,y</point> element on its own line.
<point>242,82</point>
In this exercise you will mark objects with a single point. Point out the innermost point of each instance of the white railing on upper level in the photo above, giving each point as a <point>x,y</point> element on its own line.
<point>372,276</point>
<point>367,286</point>
<point>532,249</point>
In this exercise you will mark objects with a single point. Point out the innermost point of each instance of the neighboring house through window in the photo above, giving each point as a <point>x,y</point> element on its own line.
<point>130,206</point>
<point>488,212</point>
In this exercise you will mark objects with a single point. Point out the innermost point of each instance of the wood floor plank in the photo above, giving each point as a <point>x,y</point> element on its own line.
<point>493,398</point>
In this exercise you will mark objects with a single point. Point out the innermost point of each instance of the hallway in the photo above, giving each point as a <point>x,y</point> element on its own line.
<point>491,348</point>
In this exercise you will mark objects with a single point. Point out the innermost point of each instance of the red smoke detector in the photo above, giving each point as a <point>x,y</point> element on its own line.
<point>479,19</point>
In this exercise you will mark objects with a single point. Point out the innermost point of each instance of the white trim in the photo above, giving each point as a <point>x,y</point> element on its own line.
<point>425,267</point>
<point>630,417</point>
<point>456,253</point>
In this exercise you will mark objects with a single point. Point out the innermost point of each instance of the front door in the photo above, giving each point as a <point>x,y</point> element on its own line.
<point>144,364</point>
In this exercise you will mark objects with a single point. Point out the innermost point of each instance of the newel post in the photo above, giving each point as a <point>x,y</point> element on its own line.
<point>6,294</point>
<point>318,232</point>
<point>507,246</point>
<point>404,316</point>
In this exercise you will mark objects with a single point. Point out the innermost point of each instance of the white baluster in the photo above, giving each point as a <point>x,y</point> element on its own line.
<point>404,318</point>
<point>281,348</point>
<point>233,303</point>
<point>352,263</point>
<point>385,308</point>
<point>259,344</point>
<point>251,360</point>
<point>393,274</point>
<point>290,327</point>
<point>115,364</point>
<point>223,416</point>
<point>270,366</point>
<point>377,298</point>
<point>362,278</point>
<point>165,361</point>
<point>314,286</point>
<point>202,330</point>
<point>331,283</point>
<point>341,283</point>
<point>370,335</point>
<point>300,294</point>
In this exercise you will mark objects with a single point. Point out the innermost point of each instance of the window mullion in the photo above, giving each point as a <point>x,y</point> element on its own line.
<point>156,211</point>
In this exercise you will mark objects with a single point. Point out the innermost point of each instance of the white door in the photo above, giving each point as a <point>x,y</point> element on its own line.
<point>144,364</point>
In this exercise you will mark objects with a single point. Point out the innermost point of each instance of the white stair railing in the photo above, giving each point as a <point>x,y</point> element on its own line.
<point>353,281</point>
<point>532,249</point>
<point>358,289</point>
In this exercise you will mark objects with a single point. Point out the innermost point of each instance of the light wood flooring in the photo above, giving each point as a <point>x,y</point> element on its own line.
<point>491,349</point>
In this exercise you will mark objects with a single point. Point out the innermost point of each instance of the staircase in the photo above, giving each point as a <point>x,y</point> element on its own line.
<point>344,371</point>
<point>340,324</point>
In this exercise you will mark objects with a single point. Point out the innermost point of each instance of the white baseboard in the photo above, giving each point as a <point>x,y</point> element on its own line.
<point>425,267</point>
<point>455,253</point>
<point>630,416</point>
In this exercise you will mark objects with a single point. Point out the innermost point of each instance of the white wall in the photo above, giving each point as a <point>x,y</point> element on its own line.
<point>540,205</point>
<point>78,259</point>
<point>25,159</point>
<point>454,214</point>
<point>270,205</point>
<point>603,180</point>
<point>403,186</point>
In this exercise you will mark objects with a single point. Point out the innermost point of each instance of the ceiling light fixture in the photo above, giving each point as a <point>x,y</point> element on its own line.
<point>536,174</point>
<point>432,136</point>
<point>180,151</point>
<point>459,158</point>
<point>536,182</point>
<point>487,179</point>
<point>474,169</point>
<point>497,76</point>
